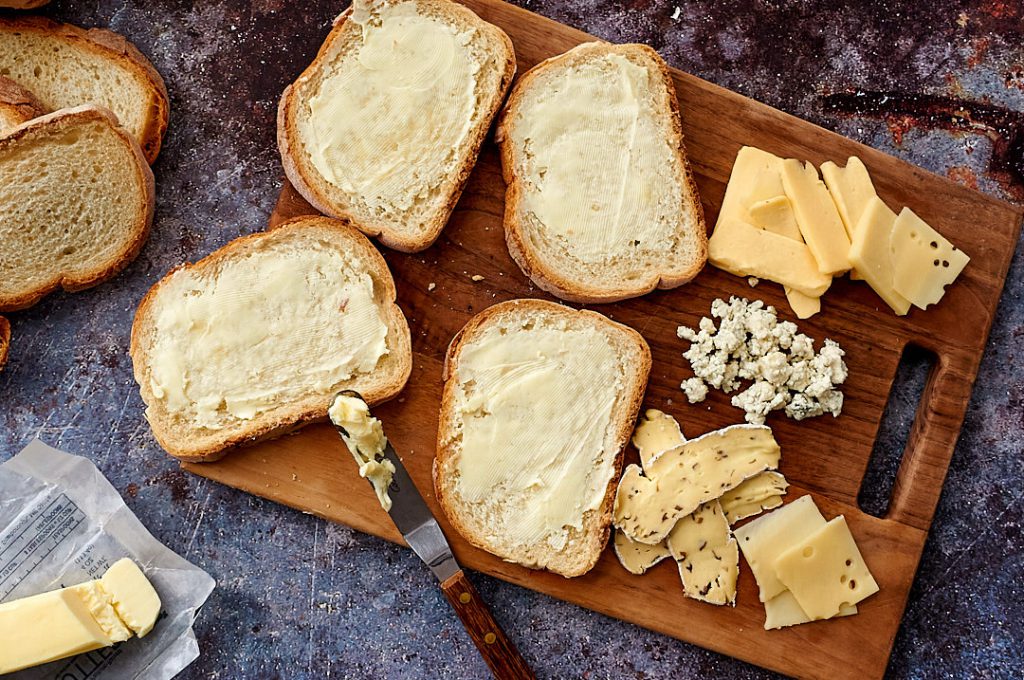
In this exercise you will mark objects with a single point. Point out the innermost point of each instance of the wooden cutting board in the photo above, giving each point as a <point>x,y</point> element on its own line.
<point>825,457</point>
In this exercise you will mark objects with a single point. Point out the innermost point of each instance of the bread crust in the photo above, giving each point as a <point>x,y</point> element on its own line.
<point>17,104</point>
<point>305,178</point>
<point>117,48</point>
<point>138,231</point>
<point>192,447</point>
<point>558,283</point>
<point>5,341</point>
<point>626,415</point>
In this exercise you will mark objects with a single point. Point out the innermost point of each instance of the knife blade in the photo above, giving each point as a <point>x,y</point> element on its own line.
<point>419,527</point>
<point>417,523</point>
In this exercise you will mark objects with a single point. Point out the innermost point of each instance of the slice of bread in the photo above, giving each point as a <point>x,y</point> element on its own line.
<point>385,125</point>
<point>5,341</point>
<point>539,401</point>
<point>17,105</point>
<point>601,204</point>
<point>66,66</point>
<point>255,340</point>
<point>76,197</point>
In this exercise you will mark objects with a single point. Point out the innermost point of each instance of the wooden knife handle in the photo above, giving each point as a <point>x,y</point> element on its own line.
<point>501,655</point>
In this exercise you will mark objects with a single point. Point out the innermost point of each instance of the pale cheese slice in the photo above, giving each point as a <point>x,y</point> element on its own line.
<point>851,189</point>
<point>683,478</point>
<point>706,553</point>
<point>872,256</point>
<point>816,214</point>
<point>825,571</point>
<point>636,557</point>
<point>783,611</point>
<point>764,539</point>
<point>761,492</point>
<point>656,433</point>
<point>924,262</point>
<point>742,249</point>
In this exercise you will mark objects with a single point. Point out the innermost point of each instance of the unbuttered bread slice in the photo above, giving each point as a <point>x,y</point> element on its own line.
<point>539,401</point>
<point>256,339</point>
<point>601,204</point>
<point>66,66</point>
<point>76,196</point>
<point>17,105</point>
<point>385,125</point>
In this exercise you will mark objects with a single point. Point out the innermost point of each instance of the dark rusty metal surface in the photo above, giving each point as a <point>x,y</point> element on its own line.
<point>940,84</point>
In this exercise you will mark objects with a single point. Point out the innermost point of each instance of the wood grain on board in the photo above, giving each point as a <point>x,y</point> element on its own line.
<point>823,456</point>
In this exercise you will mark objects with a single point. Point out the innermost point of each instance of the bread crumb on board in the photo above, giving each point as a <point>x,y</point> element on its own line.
<point>431,286</point>
<point>476,277</point>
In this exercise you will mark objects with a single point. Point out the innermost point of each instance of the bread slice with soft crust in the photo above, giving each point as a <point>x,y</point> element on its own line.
<point>255,340</point>
<point>5,341</point>
<point>539,402</point>
<point>601,204</point>
<point>17,105</point>
<point>385,125</point>
<point>66,66</point>
<point>77,198</point>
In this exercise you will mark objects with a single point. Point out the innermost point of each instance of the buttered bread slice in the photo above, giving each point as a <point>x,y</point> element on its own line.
<point>385,125</point>
<point>539,401</point>
<point>601,204</point>
<point>257,338</point>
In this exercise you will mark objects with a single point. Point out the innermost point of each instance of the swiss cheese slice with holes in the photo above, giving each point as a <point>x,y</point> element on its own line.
<point>783,610</point>
<point>871,253</point>
<point>825,571</point>
<point>923,261</point>
<point>764,539</point>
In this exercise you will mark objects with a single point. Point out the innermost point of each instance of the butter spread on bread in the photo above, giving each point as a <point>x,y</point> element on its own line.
<point>257,338</point>
<point>385,125</point>
<point>601,204</point>
<point>538,404</point>
<point>364,437</point>
<point>385,122</point>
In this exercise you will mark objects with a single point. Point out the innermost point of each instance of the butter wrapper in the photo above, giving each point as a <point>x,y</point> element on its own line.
<point>62,523</point>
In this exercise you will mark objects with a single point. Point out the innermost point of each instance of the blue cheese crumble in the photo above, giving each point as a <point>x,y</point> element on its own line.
<point>751,344</point>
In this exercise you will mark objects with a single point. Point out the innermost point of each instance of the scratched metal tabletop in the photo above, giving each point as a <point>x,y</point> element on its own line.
<point>298,597</point>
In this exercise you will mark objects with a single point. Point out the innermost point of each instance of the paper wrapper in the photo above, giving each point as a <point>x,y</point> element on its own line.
<point>62,523</point>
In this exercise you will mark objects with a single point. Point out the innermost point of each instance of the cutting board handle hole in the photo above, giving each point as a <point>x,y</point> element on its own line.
<point>901,409</point>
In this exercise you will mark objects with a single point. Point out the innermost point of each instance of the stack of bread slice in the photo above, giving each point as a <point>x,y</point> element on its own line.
<point>82,115</point>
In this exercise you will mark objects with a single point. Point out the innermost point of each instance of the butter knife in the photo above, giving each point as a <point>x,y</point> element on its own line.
<point>421,531</point>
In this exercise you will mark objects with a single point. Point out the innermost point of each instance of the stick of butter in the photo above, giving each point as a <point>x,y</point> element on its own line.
<point>62,623</point>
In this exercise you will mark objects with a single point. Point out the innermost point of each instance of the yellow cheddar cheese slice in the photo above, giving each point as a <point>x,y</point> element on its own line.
<point>754,177</point>
<point>872,256</point>
<point>744,250</point>
<point>817,217</point>
<point>851,189</point>
<point>825,571</point>
<point>776,215</point>
<point>923,261</point>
